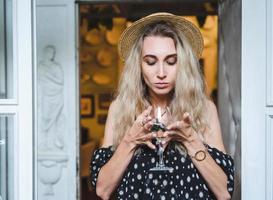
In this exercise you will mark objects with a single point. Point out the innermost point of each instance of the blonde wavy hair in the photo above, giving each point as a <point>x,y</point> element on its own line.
<point>132,96</point>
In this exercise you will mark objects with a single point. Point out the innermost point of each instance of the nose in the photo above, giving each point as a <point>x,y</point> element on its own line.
<point>161,72</point>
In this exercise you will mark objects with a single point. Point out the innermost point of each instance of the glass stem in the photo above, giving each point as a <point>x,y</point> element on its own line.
<point>161,150</point>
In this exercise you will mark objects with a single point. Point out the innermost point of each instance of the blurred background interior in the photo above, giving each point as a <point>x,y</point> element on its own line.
<point>100,26</point>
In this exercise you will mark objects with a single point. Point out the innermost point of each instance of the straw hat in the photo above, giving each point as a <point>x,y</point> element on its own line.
<point>131,34</point>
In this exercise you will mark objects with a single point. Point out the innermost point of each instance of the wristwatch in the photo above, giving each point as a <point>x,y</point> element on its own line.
<point>200,155</point>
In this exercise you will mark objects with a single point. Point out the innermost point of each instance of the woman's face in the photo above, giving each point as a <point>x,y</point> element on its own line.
<point>159,64</point>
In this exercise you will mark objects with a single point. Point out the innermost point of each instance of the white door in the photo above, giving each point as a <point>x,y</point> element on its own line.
<point>57,101</point>
<point>16,105</point>
<point>257,99</point>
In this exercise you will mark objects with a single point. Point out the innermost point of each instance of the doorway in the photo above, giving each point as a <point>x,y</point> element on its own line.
<point>100,25</point>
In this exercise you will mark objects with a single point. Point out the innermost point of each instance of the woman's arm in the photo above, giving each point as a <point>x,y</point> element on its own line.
<point>112,172</point>
<point>210,171</point>
<point>208,168</point>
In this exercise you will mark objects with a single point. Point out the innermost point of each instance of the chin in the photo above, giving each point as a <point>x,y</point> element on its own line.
<point>162,92</point>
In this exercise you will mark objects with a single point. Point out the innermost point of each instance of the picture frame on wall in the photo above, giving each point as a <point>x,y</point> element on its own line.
<point>101,120</point>
<point>105,101</point>
<point>87,106</point>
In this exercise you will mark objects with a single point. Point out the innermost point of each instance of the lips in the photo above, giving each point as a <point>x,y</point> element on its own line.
<point>161,85</point>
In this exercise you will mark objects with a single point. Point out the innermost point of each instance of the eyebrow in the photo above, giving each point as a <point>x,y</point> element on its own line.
<point>171,55</point>
<point>148,55</point>
<point>153,56</point>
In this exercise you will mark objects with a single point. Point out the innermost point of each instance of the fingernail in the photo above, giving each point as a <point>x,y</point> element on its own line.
<point>163,142</point>
<point>154,134</point>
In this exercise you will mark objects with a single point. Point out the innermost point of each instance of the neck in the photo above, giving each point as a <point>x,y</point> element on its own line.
<point>159,101</point>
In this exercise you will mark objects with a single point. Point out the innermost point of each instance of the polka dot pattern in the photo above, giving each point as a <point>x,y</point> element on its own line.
<point>99,158</point>
<point>184,182</point>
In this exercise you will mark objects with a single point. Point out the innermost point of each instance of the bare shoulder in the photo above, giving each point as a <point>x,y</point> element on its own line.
<point>213,134</point>
<point>211,109</point>
<point>108,131</point>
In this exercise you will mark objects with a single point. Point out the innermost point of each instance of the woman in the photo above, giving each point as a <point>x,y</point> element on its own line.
<point>161,54</point>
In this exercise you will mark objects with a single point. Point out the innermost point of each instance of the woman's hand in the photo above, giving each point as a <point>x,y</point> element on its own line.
<point>140,132</point>
<point>182,131</point>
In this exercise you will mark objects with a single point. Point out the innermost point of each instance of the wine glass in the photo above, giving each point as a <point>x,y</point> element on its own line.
<point>162,118</point>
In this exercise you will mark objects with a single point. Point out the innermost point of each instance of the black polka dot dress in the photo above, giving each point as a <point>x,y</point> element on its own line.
<point>184,182</point>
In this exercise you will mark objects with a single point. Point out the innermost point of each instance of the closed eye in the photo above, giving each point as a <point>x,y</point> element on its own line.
<point>172,60</point>
<point>150,63</point>
<point>150,60</point>
<point>171,63</point>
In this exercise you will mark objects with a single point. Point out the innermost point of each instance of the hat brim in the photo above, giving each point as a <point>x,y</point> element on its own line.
<point>189,30</point>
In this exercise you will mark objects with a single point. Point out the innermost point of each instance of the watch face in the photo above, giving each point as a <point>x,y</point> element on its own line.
<point>200,155</point>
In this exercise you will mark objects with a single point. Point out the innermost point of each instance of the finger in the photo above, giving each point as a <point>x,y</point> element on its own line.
<point>144,114</point>
<point>147,119</point>
<point>142,121</point>
<point>177,138</point>
<point>175,135</point>
<point>178,125</point>
<point>187,118</point>
<point>160,134</point>
<point>146,123</point>
<point>167,139</point>
<point>147,126</point>
<point>150,145</point>
<point>147,112</point>
<point>144,117</point>
<point>174,126</point>
<point>171,134</point>
<point>147,136</point>
<point>185,135</point>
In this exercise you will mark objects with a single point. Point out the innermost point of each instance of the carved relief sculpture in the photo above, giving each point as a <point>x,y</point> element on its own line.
<point>51,83</point>
<point>51,121</point>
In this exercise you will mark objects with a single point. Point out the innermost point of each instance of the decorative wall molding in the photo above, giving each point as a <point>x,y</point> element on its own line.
<point>50,169</point>
<point>57,101</point>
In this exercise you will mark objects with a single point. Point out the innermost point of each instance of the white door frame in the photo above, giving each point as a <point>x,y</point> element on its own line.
<point>257,110</point>
<point>21,106</point>
<point>24,57</point>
